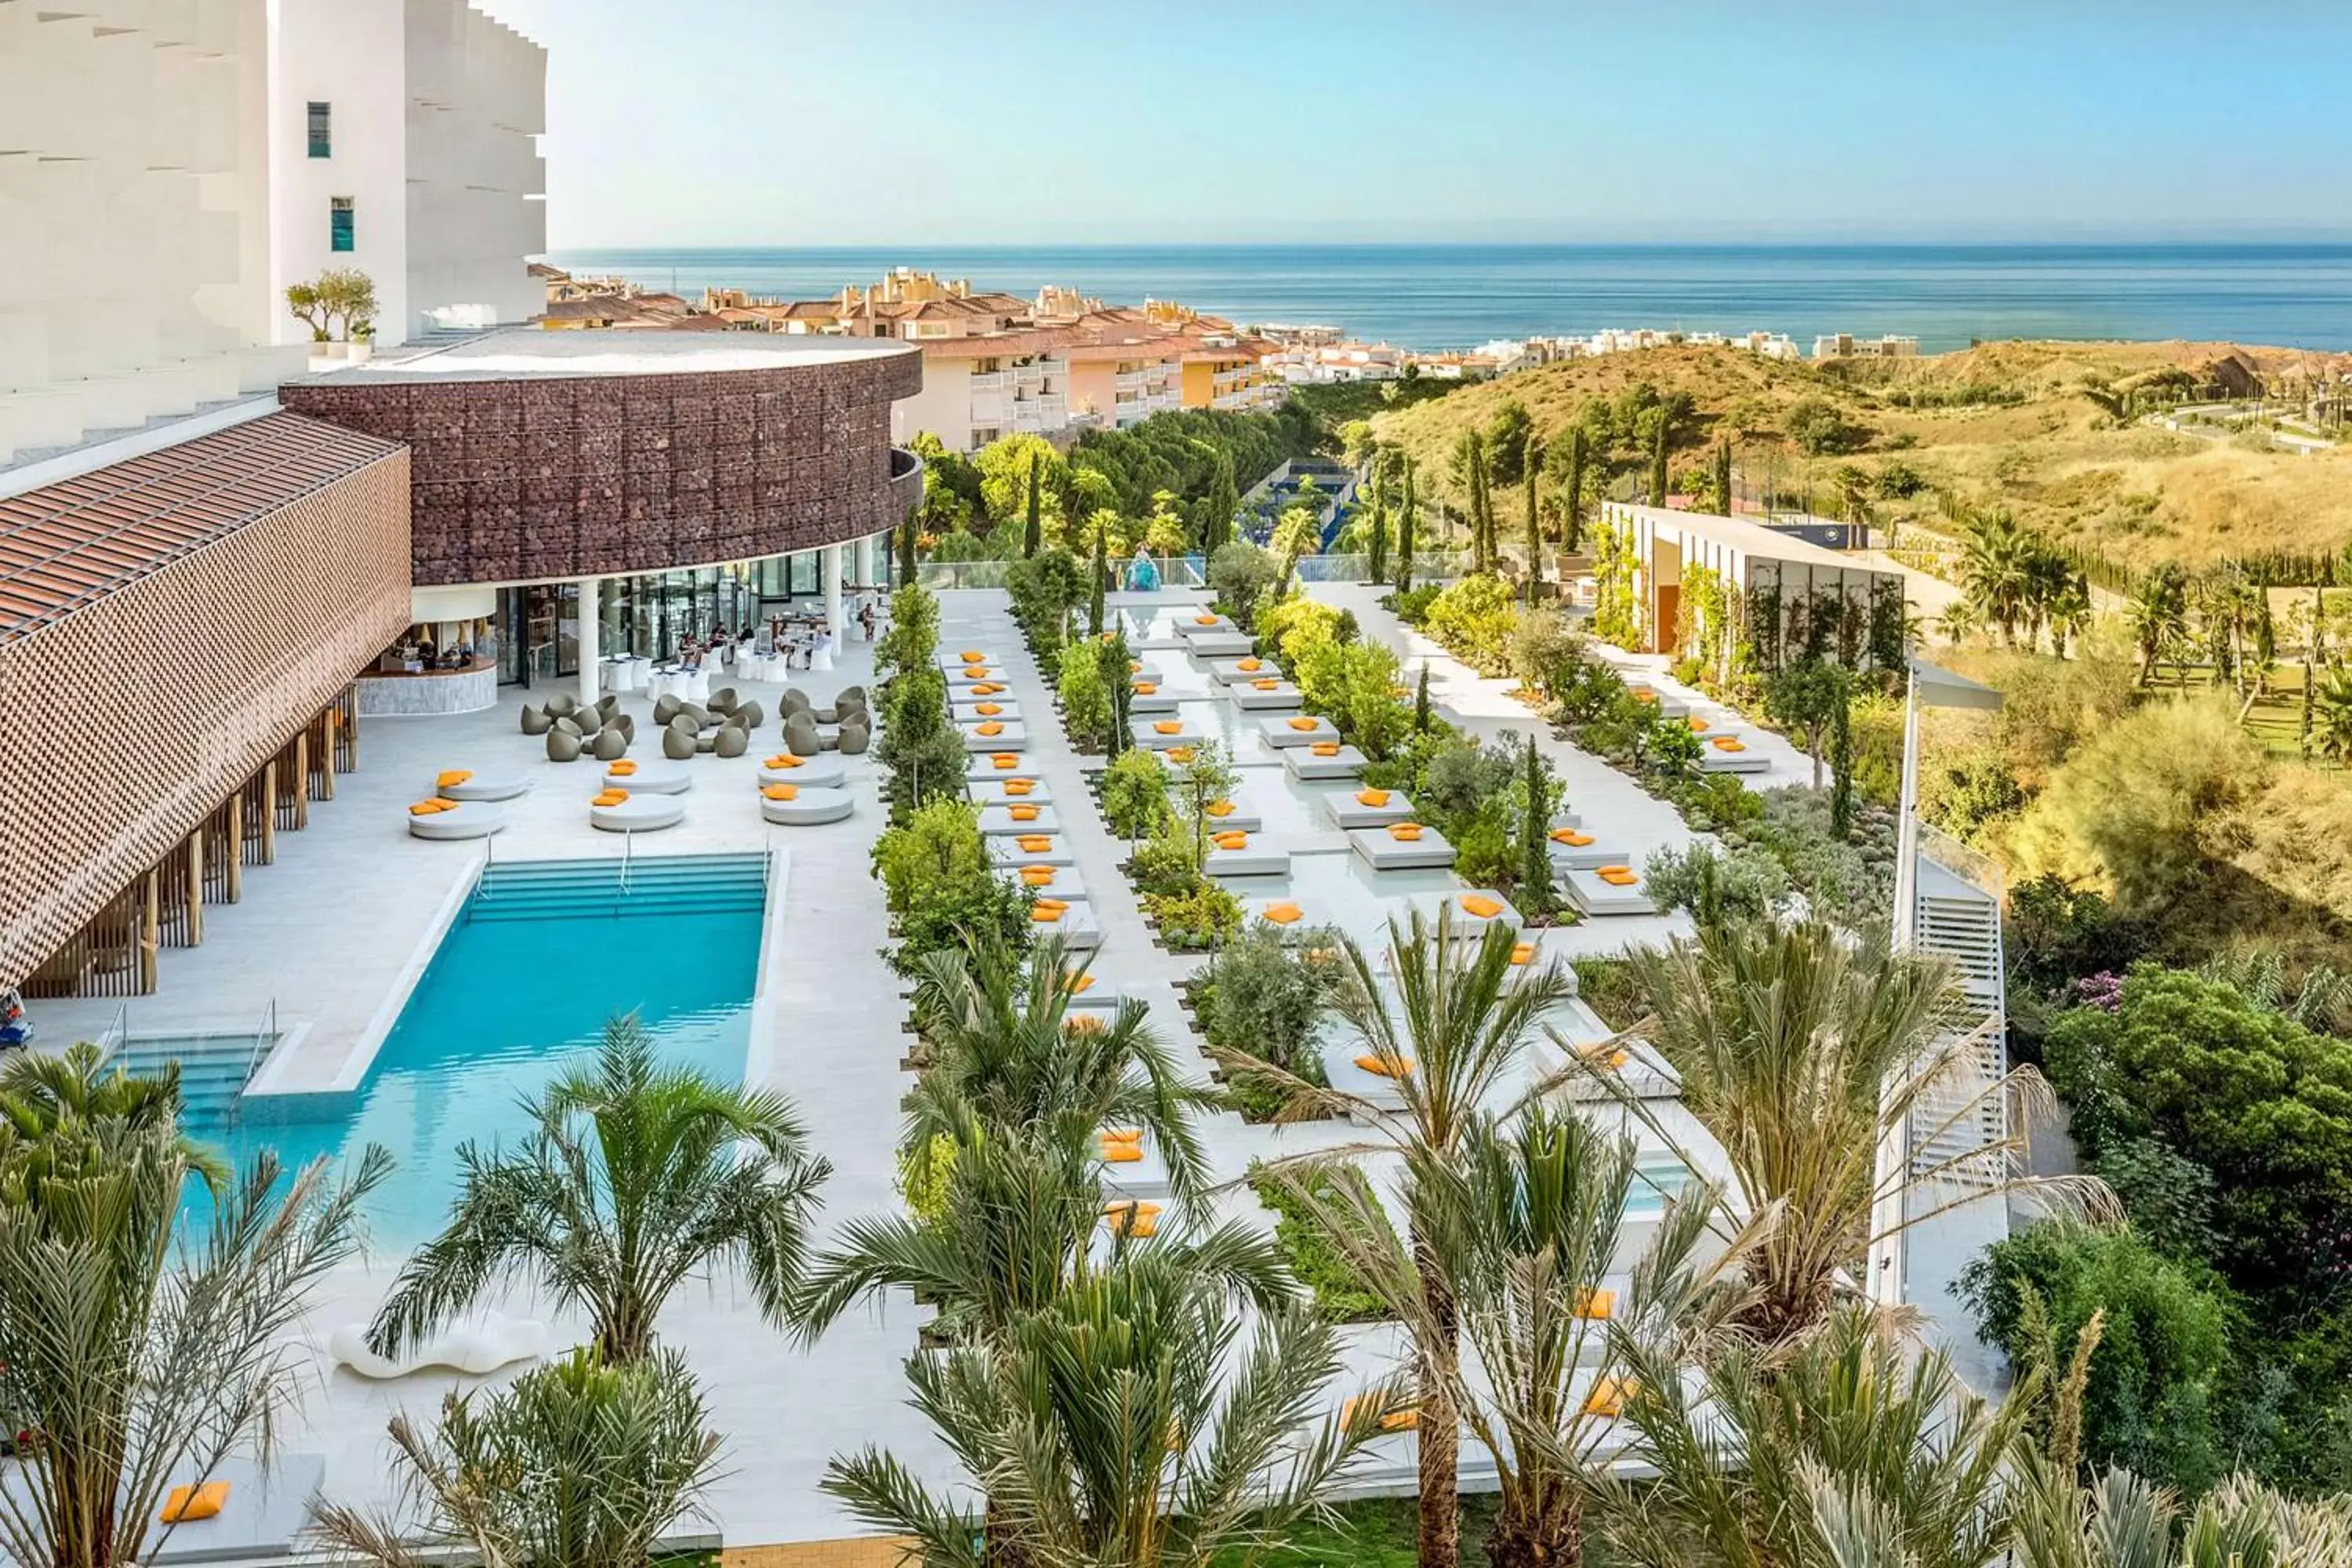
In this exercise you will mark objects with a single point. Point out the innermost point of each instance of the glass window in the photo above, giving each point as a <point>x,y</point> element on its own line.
<point>340,218</point>
<point>804,573</point>
<point>323,139</point>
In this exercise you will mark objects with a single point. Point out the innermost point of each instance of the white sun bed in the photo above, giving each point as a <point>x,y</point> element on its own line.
<point>1592,896</point>
<point>1004,851</point>
<point>1239,819</point>
<point>1256,697</point>
<point>1259,858</point>
<point>1662,703</point>
<point>989,765</point>
<point>1200,624</point>
<point>809,808</point>
<point>468,819</point>
<point>639,813</point>
<point>1715,760</point>
<point>1065,886</point>
<point>815,772</point>
<point>1134,1178</point>
<point>660,778</point>
<point>1428,906</point>
<point>1013,737</point>
<point>1224,645</point>
<point>1304,766</point>
<point>1000,819</point>
<point>476,1349</point>
<point>969,712</point>
<point>1229,671</point>
<point>1160,700</point>
<point>1348,813</point>
<point>1283,734</point>
<point>1383,851</point>
<point>1148,735</point>
<point>487,786</point>
<point>1001,792</point>
<point>1567,857</point>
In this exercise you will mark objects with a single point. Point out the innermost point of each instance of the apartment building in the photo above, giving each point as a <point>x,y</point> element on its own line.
<point>979,387</point>
<point>1845,345</point>
<point>403,142</point>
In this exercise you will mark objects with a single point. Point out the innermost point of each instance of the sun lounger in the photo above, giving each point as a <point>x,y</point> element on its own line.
<point>1730,754</point>
<point>1075,923</point>
<point>816,773</point>
<point>995,735</point>
<point>462,819</point>
<point>470,785</point>
<point>1240,672</point>
<point>1008,850</point>
<point>1264,695</point>
<point>1009,792</point>
<point>476,1349</point>
<point>1200,624</point>
<point>1059,882</point>
<point>1132,1168</point>
<point>1574,848</point>
<point>1159,699</point>
<point>1011,818</point>
<point>1663,704</point>
<point>1595,895</point>
<point>1257,856</point>
<point>807,807</point>
<point>1350,809</point>
<point>1383,850</point>
<point>1297,730</point>
<point>639,813</point>
<point>1234,818</point>
<point>1307,765</point>
<point>981,709</point>
<point>1473,910</point>
<point>1000,765</point>
<point>1149,733</point>
<point>1223,644</point>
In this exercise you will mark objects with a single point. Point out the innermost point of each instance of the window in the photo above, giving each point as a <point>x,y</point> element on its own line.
<point>339,224</point>
<point>322,140</point>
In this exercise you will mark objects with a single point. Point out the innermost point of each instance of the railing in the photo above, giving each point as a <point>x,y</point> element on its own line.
<point>1980,870</point>
<point>117,1032</point>
<point>628,854</point>
<point>263,1038</point>
<point>1175,571</point>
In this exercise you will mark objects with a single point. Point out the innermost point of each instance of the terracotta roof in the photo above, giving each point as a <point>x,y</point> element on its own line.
<point>67,544</point>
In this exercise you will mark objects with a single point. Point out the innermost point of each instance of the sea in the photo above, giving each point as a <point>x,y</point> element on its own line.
<point>1458,296</point>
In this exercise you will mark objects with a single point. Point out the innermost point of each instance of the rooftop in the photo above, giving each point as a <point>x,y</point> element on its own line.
<point>528,353</point>
<point>65,544</point>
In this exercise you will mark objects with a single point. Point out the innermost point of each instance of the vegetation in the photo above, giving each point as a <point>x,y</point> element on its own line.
<point>341,296</point>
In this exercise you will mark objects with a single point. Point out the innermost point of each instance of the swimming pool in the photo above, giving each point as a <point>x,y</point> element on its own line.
<point>537,960</point>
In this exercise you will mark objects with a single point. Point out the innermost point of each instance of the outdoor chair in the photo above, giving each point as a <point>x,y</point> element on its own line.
<point>568,725</point>
<point>800,735</point>
<point>665,707</point>
<point>751,714</point>
<point>679,745</point>
<point>733,740</point>
<point>722,701</point>
<point>561,703</point>
<point>535,721</point>
<point>611,744</point>
<point>563,747</point>
<point>854,736</point>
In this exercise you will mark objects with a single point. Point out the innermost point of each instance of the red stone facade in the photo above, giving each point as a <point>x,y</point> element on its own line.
<point>128,720</point>
<point>536,478</point>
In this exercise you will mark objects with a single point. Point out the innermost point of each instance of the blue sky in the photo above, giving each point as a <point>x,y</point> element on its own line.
<point>906,121</point>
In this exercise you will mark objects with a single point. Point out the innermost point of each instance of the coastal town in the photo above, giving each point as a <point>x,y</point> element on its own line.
<point>984,920</point>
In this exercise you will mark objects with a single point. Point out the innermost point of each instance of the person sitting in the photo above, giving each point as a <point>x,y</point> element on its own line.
<point>427,656</point>
<point>689,655</point>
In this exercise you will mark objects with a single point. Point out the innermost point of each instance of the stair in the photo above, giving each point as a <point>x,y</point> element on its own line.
<point>213,1069</point>
<point>647,886</point>
<point>1961,924</point>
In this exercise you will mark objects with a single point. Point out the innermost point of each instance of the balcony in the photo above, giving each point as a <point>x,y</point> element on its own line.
<point>1128,380</point>
<point>1028,376</point>
<point>1230,400</point>
<point>992,380</point>
<point>1027,416</point>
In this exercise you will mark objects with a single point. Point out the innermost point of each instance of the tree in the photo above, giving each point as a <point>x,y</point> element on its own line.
<point>1534,833</point>
<point>1127,1422</point>
<point>1240,574</point>
<point>1474,466</point>
<point>1421,701</point>
<point>1535,523</point>
<point>1101,574</point>
<point>1820,430</point>
<point>1033,532</point>
<point>138,1363</point>
<point>2159,612</point>
<point>919,749</point>
<point>1407,515</point>
<point>1509,436</point>
<point>1807,695</point>
<point>907,561</point>
<point>1841,764</point>
<point>1659,437</point>
<point>1118,681</point>
<point>1572,492</point>
<point>587,1464</point>
<point>1225,499</point>
<point>2332,717</point>
<point>1378,566</point>
<point>43,1096</point>
<point>339,294</point>
<point>1723,495</point>
<point>635,1178</point>
<point>1461,1019</point>
<point>1297,533</point>
<point>1799,1048</point>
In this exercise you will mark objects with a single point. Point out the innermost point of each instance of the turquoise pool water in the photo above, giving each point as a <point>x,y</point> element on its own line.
<point>536,963</point>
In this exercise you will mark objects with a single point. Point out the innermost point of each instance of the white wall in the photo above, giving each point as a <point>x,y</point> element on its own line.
<point>436,108</point>
<point>943,407</point>
<point>132,219</point>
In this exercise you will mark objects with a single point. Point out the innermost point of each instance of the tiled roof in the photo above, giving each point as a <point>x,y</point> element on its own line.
<point>66,544</point>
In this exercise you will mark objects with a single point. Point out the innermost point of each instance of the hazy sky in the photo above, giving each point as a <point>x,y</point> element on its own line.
<point>906,121</point>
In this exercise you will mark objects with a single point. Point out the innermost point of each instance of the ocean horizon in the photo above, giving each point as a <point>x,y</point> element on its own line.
<point>2288,295</point>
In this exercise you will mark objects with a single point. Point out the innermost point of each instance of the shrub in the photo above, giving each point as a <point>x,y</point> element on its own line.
<point>1044,589</point>
<point>1135,794</point>
<point>1412,607</point>
<point>1263,1000</point>
<point>1966,795</point>
<point>2150,1402</point>
<point>1612,989</point>
<point>938,846</point>
<point>1340,1292</point>
<point>1461,778</point>
<point>1086,703</point>
<point>1475,618</point>
<point>972,913</point>
<point>914,635</point>
<point>1240,574</point>
<point>1744,884</point>
<point>1838,882</point>
<point>1203,917</point>
<point>1295,628</point>
<point>924,1172</point>
<point>1547,653</point>
<point>920,751</point>
<point>1485,857</point>
<point>1354,685</point>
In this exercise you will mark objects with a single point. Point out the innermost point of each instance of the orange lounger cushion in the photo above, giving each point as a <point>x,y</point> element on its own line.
<point>991,728</point>
<point>1571,838</point>
<point>1523,952</point>
<point>1266,684</point>
<point>1119,1154</point>
<point>1697,725</point>
<point>1602,1054</point>
<point>989,709</point>
<point>432,808</point>
<point>1230,841</point>
<point>1179,753</point>
<point>1405,1420</point>
<point>1033,843</point>
<point>1250,666</point>
<point>1645,696</point>
<point>1375,798</point>
<point>1594,1303</point>
<point>1133,664</point>
<point>977,671</point>
<point>624,767</point>
<point>1047,914</point>
<point>1123,1134</point>
<point>1004,760</point>
<point>782,791</point>
<point>1205,620</point>
<point>452,779</point>
<point>1729,744</point>
<point>1609,1396</point>
<point>610,798</point>
<point>1382,1068</point>
<point>1406,832</point>
<point>1132,1217</point>
<point>1614,870</point>
<point>1325,748</point>
<point>1221,808</point>
<point>184,1505</point>
<point>1023,813</point>
<point>1146,687</point>
<point>973,655</point>
<point>1168,726</point>
<point>1303,723</point>
<point>1019,786</point>
<point>1080,983</point>
<point>1284,913</point>
<point>1619,878</point>
<point>1037,875</point>
<point>1480,905</point>
<point>780,761</point>
<point>986,688</point>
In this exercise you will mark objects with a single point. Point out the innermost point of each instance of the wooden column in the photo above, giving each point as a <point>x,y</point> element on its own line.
<point>270,812</point>
<point>151,930</point>
<point>326,727</point>
<point>237,846</point>
<point>196,888</point>
<point>303,780</point>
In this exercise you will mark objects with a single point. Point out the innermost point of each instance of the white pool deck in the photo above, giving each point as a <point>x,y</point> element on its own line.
<point>332,934</point>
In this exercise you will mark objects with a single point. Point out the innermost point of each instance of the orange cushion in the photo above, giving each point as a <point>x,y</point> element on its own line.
<point>990,728</point>
<point>1168,726</point>
<point>1024,813</point>
<point>432,808</point>
<point>1645,697</point>
<point>1616,870</point>
<point>1045,915</point>
<point>1121,1134</point>
<point>1221,808</point>
<point>782,791</point>
<point>1303,723</point>
<point>1609,1396</point>
<point>610,798</point>
<point>1081,983</point>
<point>1600,1053</point>
<point>973,655</point>
<point>1250,666</point>
<point>1380,1069</point>
<point>1282,914</point>
<point>1033,843</point>
<point>1037,876</point>
<point>977,671</point>
<point>1146,687</point>
<point>1697,725</point>
<point>185,1505</point>
<point>451,779</point>
<point>1729,744</point>
<point>1523,952</point>
<point>986,688</point>
<point>1619,878</point>
<point>1268,684</point>
<point>1019,786</point>
<point>1230,841</point>
<point>1132,1217</point>
<point>1406,832</point>
<point>1595,1303</point>
<point>1375,798</point>
<point>1133,664</point>
<point>989,710</point>
<point>1179,753</point>
<point>1480,905</point>
<point>1325,748</point>
<point>624,767</point>
<point>1119,1154</point>
<point>1004,760</point>
<point>1571,838</point>
<point>1205,620</point>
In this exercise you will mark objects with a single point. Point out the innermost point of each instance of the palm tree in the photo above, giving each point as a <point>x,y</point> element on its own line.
<point>2332,717</point>
<point>1800,1051</point>
<point>1996,570</point>
<point>578,1462</point>
<point>1129,1424</point>
<point>140,1363</point>
<point>2159,612</point>
<point>1851,1450</point>
<point>2070,612</point>
<point>1461,1018</point>
<point>636,1177</point>
<point>2122,1522</point>
<point>41,1094</point>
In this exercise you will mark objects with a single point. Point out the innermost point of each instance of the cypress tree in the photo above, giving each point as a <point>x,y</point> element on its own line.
<point>1421,703</point>
<point>1112,658</point>
<point>1572,529</point>
<point>1035,536</point>
<point>1534,863</point>
<point>1535,523</point>
<point>1473,464</point>
<point>1102,571</point>
<point>906,552</point>
<point>1841,764</point>
<point>1225,499</point>
<point>1380,524</point>
<point>1404,534</point>
<point>1723,475</point>
<point>1658,462</point>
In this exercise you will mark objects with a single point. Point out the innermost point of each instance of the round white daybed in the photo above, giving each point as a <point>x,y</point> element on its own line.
<point>484,786</point>
<point>638,813</point>
<point>467,820</point>
<point>652,778</point>
<point>813,773</point>
<point>809,807</point>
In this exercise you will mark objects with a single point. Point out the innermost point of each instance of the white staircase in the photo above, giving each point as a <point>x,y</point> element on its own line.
<point>1957,917</point>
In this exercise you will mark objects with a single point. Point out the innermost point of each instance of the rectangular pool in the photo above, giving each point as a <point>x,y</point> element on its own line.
<point>537,960</point>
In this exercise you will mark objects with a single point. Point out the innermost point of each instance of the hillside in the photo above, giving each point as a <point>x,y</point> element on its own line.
<point>2010,423</point>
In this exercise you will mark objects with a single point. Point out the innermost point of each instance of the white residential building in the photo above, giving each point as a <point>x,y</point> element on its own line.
<point>402,142</point>
<point>1845,345</point>
<point>134,217</point>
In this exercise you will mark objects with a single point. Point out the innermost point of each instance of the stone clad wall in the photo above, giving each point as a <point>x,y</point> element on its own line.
<point>532,478</point>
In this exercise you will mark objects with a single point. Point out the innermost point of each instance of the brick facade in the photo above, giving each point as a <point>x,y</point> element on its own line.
<point>127,722</point>
<point>531,478</point>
